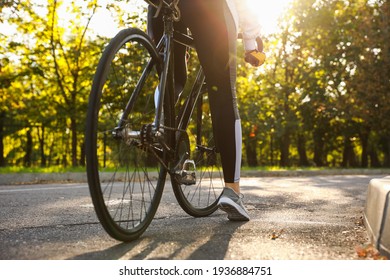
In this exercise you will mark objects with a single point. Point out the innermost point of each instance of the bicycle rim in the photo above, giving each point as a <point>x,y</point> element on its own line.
<point>200,199</point>
<point>125,180</point>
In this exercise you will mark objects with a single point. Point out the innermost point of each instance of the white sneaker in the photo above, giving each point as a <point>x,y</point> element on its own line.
<point>231,203</point>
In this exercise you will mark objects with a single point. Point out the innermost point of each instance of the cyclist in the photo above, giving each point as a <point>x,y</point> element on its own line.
<point>214,25</point>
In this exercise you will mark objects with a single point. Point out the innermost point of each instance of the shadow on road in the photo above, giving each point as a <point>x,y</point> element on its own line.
<point>196,240</point>
<point>320,218</point>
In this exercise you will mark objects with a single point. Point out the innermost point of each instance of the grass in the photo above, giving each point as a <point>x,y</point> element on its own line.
<point>60,169</point>
<point>52,169</point>
<point>278,168</point>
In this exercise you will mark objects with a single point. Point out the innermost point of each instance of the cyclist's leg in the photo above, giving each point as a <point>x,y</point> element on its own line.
<point>214,32</point>
<point>215,36</point>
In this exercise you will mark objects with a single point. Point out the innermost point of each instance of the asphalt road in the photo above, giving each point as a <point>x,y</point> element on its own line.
<point>293,218</point>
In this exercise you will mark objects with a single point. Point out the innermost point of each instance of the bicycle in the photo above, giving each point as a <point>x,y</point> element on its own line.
<point>134,140</point>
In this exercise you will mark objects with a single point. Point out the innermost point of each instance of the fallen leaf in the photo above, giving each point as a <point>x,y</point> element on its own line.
<point>275,235</point>
<point>361,252</point>
<point>369,251</point>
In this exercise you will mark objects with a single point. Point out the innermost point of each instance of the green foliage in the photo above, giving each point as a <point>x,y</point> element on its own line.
<point>322,99</point>
<point>46,75</point>
<point>51,169</point>
<point>326,84</point>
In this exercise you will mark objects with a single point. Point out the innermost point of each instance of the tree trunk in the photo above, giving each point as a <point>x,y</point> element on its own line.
<point>2,158</point>
<point>82,155</point>
<point>251,155</point>
<point>318,148</point>
<point>52,148</point>
<point>374,159</point>
<point>386,151</point>
<point>29,146</point>
<point>41,137</point>
<point>285,150</point>
<point>348,153</point>
<point>271,144</point>
<point>364,142</point>
<point>303,160</point>
<point>74,141</point>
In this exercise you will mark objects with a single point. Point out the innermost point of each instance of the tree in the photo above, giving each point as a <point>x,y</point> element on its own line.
<point>58,66</point>
<point>329,42</point>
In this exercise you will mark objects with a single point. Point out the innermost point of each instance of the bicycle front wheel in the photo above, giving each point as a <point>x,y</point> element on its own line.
<point>199,187</point>
<point>125,179</point>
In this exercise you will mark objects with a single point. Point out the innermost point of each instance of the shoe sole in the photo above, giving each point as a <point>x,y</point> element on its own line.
<point>234,213</point>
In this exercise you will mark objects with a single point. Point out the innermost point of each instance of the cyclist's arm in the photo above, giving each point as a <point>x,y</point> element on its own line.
<point>248,23</point>
<point>250,30</point>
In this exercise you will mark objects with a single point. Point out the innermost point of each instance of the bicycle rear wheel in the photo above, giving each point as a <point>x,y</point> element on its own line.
<point>125,179</point>
<point>199,192</point>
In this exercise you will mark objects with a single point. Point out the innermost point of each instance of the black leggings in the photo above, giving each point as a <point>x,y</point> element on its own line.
<point>214,32</point>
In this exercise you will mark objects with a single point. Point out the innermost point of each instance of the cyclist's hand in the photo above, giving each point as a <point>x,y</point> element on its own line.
<point>256,57</point>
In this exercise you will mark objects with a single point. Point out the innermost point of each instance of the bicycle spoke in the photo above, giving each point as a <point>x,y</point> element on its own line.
<point>200,198</point>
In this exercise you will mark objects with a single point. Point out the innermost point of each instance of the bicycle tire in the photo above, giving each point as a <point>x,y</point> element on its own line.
<point>125,182</point>
<point>199,199</point>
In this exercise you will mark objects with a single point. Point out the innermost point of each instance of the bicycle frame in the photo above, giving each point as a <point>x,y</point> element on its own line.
<point>169,38</point>
<point>166,88</point>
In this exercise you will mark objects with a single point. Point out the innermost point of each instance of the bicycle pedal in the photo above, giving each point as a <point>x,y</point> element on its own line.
<point>187,176</point>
